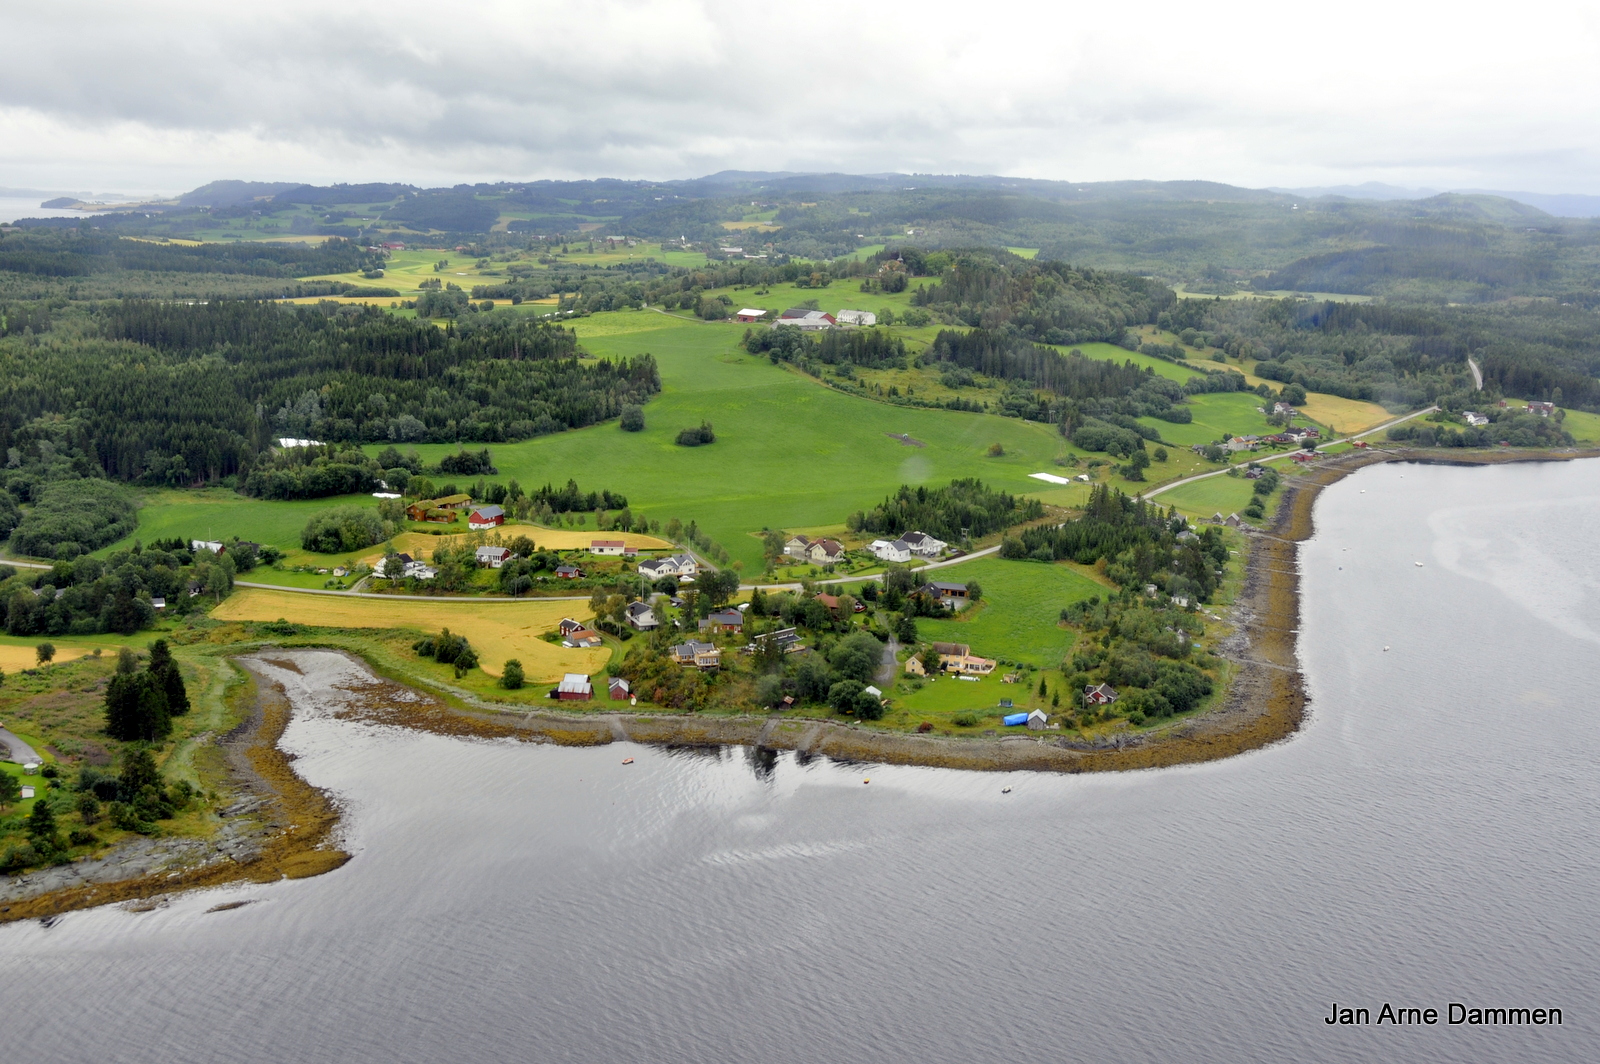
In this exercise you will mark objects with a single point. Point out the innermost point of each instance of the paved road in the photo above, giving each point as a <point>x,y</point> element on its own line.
<point>1153,492</point>
<point>885,674</point>
<point>21,752</point>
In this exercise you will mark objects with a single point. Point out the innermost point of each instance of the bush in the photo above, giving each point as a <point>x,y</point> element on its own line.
<point>511,678</point>
<point>633,419</point>
<point>965,720</point>
<point>697,437</point>
<point>344,528</point>
<point>843,695</point>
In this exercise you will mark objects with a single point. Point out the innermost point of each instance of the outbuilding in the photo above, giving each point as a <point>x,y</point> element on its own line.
<point>574,686</point>
<point>486,517</point>
<point>617,689</point>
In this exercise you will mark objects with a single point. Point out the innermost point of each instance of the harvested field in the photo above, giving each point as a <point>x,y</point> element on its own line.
<point>498,629</point>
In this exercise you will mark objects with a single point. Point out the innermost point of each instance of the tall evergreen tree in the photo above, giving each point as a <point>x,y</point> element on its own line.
<point>165,670</point>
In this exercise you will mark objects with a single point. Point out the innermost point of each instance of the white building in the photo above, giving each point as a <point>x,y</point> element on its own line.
<point>856,317</point>
<point>923,545</point>
<point>890,551</point>
<point>676,565</point>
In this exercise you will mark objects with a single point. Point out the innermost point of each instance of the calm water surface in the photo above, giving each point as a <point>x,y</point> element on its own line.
<point>1429,837</point>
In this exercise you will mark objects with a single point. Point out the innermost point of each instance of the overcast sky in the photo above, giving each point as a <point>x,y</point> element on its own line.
<point>166,96</point>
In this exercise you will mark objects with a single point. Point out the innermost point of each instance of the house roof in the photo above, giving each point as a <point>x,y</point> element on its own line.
<point>726,617</point>
<point>751,311</point>
<point>575,683</point>
<point>959,650</point>
<point>488,511</point>
<point>616,682</point>
<point>494,552</point>
<point>605,543</point>
<point>638,609</point>
<point>829,601</point>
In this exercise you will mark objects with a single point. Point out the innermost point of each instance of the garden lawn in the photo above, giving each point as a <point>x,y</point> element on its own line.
<point>496,629</point>
<point>1019,615</point>
<point>789,453</point>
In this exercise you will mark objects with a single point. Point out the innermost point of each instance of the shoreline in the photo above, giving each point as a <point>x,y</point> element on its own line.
<point>291,828</point>
<point>276,826</point>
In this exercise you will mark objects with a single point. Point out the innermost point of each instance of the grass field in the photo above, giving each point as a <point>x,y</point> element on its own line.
<point>220,513</point>
<point>497,630</point>
<point>1216,415</point>
<point>1344,416</point>
<point>788,452</point>
<point>1019,615</point>
<point>1201,499</point>
<point>419,544</point>
<point>1583,426</point>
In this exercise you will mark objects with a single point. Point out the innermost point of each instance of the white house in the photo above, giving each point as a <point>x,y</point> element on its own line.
<point>797,546</point>
<point>676,565</point>
<point>825,551</point>
<point>856,317</point>
<point>493,557</point>
<point>642,617</point>
<point>923,545</point>
<point>606,546</point>
<point>896,551</point>
<point>1474,419</point>
<point>211,545</point>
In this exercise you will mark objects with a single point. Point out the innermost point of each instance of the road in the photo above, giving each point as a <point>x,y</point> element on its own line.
<point>21,752</point>
<point>1153,492</point>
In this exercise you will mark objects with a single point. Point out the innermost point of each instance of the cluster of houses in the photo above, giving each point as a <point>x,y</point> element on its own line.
<point>907,546</point>
<point>815,551</point>
<point>680,566</point>
<point>576,686</point>
<point>1235,444</point>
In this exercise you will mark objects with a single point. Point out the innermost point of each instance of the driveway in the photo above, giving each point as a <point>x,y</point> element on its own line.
<point>21,752</point>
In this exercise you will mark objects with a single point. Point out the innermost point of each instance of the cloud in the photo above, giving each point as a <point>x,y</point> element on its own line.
<point>174,94</point>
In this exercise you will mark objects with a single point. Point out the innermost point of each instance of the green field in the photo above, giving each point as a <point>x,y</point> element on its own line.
<point>1583,426</point>
<point>1202,498</point>
<point>788,452</point>
<point>1019,615</point>
<point>220,514</point>
<point>1216,415</point>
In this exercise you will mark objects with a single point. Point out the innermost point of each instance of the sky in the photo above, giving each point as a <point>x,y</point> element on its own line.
<point>165,96</point>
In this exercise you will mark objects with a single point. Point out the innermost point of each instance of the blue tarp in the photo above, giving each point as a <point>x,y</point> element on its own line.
<point>1013,719</point>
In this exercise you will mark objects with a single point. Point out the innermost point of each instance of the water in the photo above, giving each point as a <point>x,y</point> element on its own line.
<point>12,208</point>
<point>1428,837</point>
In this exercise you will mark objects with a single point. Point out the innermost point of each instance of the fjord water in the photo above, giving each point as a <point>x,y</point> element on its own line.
<point>1428,837</point>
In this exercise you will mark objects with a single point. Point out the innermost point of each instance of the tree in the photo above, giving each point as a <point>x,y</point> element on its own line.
<point>165,671</point>
<point>511,677</point>
<point>45,653</point>
<point>42,823</point>
<point>344,528</point>
<point>869,706</point>
<point>856,656</point>
<point>10,789</point>
<point>138,772</point>
<point>1161,454</point>
<point>633,419</point>
<point>1043,687</point>
<point>842,695</point>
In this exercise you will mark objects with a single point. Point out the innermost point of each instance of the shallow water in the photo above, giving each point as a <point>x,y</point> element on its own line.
<point>1428,837</point>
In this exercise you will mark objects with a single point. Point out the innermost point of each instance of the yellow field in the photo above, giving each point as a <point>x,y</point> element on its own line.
<point>15,659</point>
<point>421,544</point>
<point>1344,415</point>
<point>497,629</point>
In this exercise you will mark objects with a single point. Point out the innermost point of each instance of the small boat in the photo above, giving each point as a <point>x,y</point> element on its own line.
<point>627,761</point>
<point>1005,790</point>
<point>866,781</point>
<point>1419,565</point>
<point>1386,650</point>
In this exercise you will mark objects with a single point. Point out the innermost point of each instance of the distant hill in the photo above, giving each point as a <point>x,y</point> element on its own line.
<point>1559,205</point>
<point>232,193</point>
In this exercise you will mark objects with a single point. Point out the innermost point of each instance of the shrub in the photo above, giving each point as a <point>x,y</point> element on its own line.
<point>633,419</point>
<point>344,528</point>
<point>697,437</point>
<point>511,678</point>
<point>965,720</point>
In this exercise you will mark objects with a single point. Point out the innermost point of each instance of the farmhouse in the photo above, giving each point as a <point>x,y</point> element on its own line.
<point>750,314</point>
<point>1542,409</point>
<point>1099,694</point>
<point>568,626</point>
<point>797,546</point>
<point>582,638</point>
<point>493,557</point>
<point>787,640</point>
<point>914,666</point>
<point>618,689</point>
<point>949,594</point>
<point>641,616</point>
<point>923,545</point>
<point>574,686</point>
<point>1283,408</point>
<point>443,510</point>
<point>420,571</point>
<point>568,572</point>
<point>486,517</point>
<point>958,658</point>
<point>806,318</point>
<point>1474,419</point>
<point>856,317</point>
<point>676,565</point>
<point>884,550</point>
<point>723,621</point>
<point>607,546</point>
<point>697,655</point>
<point>825,551</point>
<point>198,545</point>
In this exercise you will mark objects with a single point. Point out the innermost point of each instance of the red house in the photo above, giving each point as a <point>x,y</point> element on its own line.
<point>486,517</point>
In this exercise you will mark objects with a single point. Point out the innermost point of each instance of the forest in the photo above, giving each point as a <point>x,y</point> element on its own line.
<point>176,393</point>
<point>965,509</point>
